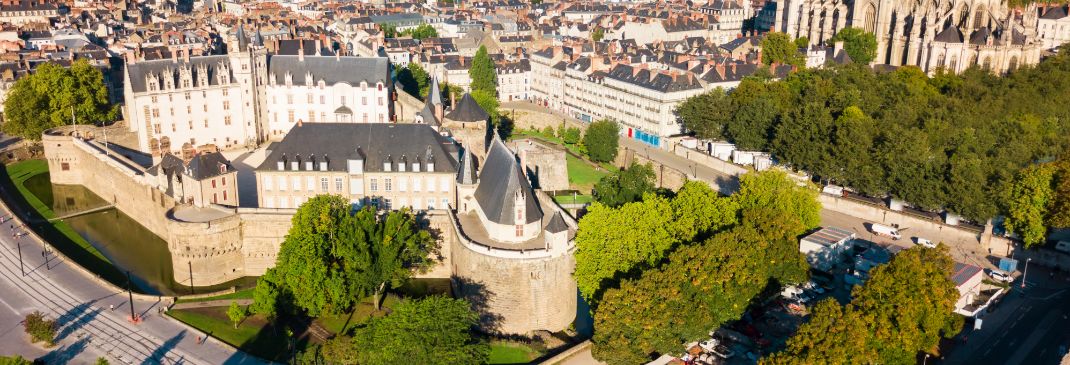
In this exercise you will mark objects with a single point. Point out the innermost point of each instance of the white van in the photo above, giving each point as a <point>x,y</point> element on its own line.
<point>883,230</point>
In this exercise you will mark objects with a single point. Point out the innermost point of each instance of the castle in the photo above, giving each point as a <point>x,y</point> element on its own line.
<point>930,34</point>
<point>506,247</point>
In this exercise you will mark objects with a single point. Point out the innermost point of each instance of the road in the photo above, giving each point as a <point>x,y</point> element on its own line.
<point>1028,329</point>
<point>87,326</point>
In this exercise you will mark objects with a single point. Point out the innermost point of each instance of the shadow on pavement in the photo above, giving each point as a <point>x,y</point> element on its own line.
<point>157,356</point>
<point>65,354</point>
<point>75,318</point>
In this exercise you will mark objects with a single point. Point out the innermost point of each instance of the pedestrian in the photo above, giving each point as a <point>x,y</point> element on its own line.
<point>111,307</point>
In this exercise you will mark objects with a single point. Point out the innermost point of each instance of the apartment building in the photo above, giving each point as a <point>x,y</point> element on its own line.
<point>386,165</point>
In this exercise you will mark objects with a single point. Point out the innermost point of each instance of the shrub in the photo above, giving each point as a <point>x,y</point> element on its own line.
<point>40,328</point>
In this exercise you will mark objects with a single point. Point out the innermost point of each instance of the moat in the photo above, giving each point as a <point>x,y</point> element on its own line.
<point>121,239</point>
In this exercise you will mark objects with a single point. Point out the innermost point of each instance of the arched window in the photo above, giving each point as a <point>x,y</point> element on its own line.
<point>987,64</point>
<point>940,60</point>
<point>1013,65</point>
<point>979,17</point>
<point>871,19</point>
<point>954,65</point>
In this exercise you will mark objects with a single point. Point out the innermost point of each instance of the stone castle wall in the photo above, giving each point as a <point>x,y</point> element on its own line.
<point>545,165</point>
<point>214,248</point>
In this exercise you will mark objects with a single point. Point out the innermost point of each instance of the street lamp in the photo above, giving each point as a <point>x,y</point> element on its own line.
<point>926,360</point>
<point>1026,271</point>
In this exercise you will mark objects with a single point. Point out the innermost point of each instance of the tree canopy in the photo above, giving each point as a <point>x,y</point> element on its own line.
<point>48,97</point>
<point>780,48</point>
<point>414,80</point>
<point>905,307</point>
<point>422,31</point>
<point>944,142</point>
<point>625,185</point>
<point>860,45</point>
<point>433,330</point>
<point>601,140</point>
<point>330,259</point>
<point>701,286</point>
<point>1037,200</point>
<point>484,78</point>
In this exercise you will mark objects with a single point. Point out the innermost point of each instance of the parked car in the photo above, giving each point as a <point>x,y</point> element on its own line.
<point>1001,276</point>
<point>924,242</point>
<point>717,348</point>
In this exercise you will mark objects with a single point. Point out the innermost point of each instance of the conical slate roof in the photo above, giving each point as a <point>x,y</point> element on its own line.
<point>557,224</point>
<point>466,175</point>
<point>435,95</point>
<point>500,179</point>
<point>243,41</point>
<point>428,114</point>
<point>468,110</point>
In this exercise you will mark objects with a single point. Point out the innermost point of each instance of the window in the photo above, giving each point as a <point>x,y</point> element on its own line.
<point>65,166</point>
<point>295,183</point>
<point>374,185</point>
<point>386,184</point>
<point>365,117</point>
<point>337,184</point>
<point>323,184</point>
<point>311,116</point>
<point>213,198</point>
<point>445,203</point>
<point>226,105</point>
<point>519,230</point>
<point>380,101</point>
<point>403,202</point>
<point>190,125</point>
<point>205,107</point>
<point>289,99</point>
<point>157,128</point>
<point>380,118</point>
<point>310,98</point>
<point>269,202</point>
<point>403,184</point>
<point>444,184</point>
<point>310,183</point>
<point>323,99</point>
<point>224,195</point>
<point>226,92</point>
<point>416,182</point>
<point>213,183</point>
<point>206,123</point>
<point>290,115</point>
<point>267,183</point>
<point>226,120</point>
<point>430,203</point>
<point>187,93</point>
<point>224,179</point>
<point>363,100</point>
<point>282,183</point>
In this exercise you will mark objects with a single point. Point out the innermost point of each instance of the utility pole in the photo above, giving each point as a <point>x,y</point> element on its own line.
<point>130,293</point>
<point>191,290</point>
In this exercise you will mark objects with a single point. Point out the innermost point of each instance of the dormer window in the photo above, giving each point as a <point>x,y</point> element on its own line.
<point>281,166</point>
<point>289,79</point>
<point>401,166</point>
<point>323,164</point>
<point>295,165</point>
<point>386,166</point>
<point>308,165</point>
<point>415,167</point>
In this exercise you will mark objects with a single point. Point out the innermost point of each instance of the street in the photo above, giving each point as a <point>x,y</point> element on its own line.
<point>92,319</point>
<point>1022,329</point>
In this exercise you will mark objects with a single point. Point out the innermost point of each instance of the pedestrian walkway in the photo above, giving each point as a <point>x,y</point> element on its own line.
<point>212,303</point>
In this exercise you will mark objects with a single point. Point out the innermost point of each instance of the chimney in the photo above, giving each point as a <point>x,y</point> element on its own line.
<point>720,70</point>
<point>300,122</point>
<point>185,55</point>
<point>836,47</point>
<point>759,56</point>
<point>174,56</point>
<point>301,50</point>
<point>453,99</point>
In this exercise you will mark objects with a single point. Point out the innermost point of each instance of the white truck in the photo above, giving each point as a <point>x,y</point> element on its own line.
<point>883,230</point>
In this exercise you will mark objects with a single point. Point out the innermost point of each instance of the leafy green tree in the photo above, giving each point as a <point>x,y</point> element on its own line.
<point>625,185</point>
<point>236,313</point>
<point>601,140</point>
<point>48,97</point>
<point>780,48</point>
<point>414,80</point>
<point>489,103</point>
<point>775,190</point>
<point>1060,209</point>
<point>100,361</point>
<point>389,30</point>
<point>859,44</point>
<point>14,360</point>
<point>423,31</point>
<point>706,114</point>
<point>700,287</point>
<point>571,135</point>
<point>802,42</point>
<point>598,34</point>
<point>40,329</point>
<point>330,259</point>
<point>484,77</point>
<point>433,330</point>
<point>904,308</point>
<point>614,243</point>
<point>1029,199</point>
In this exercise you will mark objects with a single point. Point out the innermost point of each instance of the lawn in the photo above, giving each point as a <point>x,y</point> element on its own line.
<point>581,175</point>
<point>254,335</point>
<point>577,199</point>
<point>59,234</point>
<point>511,353</point>
<point>240,294</point>
<point>343,323</point>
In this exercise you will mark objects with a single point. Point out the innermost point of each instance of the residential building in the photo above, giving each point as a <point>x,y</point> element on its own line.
<point>1053,26</point>
<point>826,247</point>
<point>514,80</point>
<point>25,12</point>
<point>199,179</point>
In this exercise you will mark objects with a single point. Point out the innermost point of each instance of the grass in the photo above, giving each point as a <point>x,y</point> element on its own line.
<point>254,335</point>
<point>240,294</point>
<point>58,234</point>
<point>511,353</point>
<point>578,199</point>
<point>343,323</point>
<point>581,175</point>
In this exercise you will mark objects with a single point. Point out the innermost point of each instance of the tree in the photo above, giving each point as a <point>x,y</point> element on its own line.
<point>236,313</point>
<point>414,80</point>
<point>571,135</point>
<point>423,31</point>
<point>330,258</point>
<point>625,185</point>
<point>48,98</point>
<point>860,45</point>
<point>598,34</point>
<point>601,140</point>
<point>484,77</point>
<point>706,114</point>
<point>780,48</point>
<point>700,287</point>
<point>433,330</point>
<point>489,103</point>
<point>905,307</point>
<point>775,190</point>
<point>1028,202</point>
<point>802,42</point>
<point>14,360</point>
<point>1060,210</point>
<point>40,329</point>
<point>389,30</point>
<point>102,361</point>
<point>616,243</point>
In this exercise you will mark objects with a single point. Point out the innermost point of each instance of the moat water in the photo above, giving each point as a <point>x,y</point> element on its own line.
<point>126,243</point>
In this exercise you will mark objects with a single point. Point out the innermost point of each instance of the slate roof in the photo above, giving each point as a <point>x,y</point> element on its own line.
<point>1054,13</point>
<point>203,166</point>
<point>165,67</point>
<point>374,143</point>
<point>950,35</point>
<point>467,173</point>
<point>501,178</point>
<point>330,69</point>
<point>980,36</point>
<point>557,224</point>
<point>468,110</point>
<point>653,80</point>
